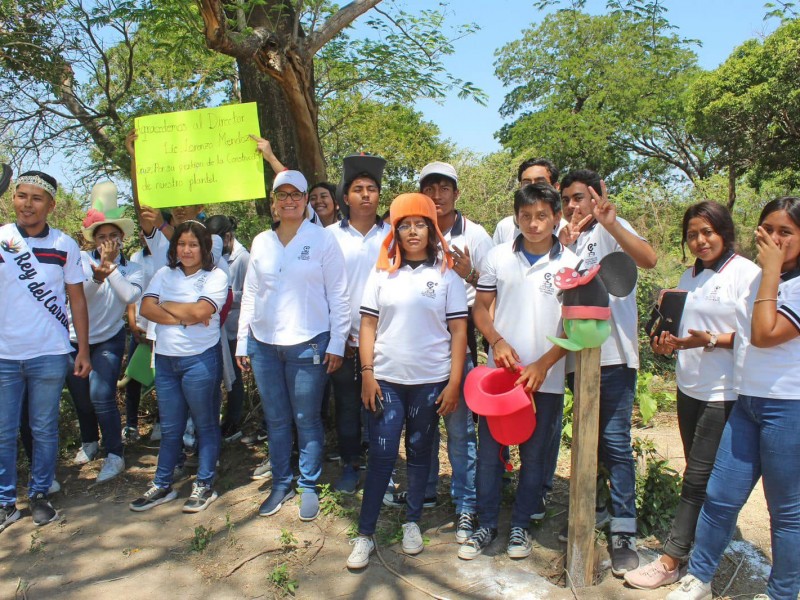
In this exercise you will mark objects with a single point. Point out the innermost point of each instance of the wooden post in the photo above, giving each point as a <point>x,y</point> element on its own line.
<point>583,474</point>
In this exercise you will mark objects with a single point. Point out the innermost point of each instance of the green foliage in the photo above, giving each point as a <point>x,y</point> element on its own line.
<point>750,105</point>
<point>282,579</point>
<point>37,544</point>
<point>566,421</point>
<point>658,488</point>
<point>201,539</point>
<point>649,398</point>
<point>332,502</point>
<point>287,539</point>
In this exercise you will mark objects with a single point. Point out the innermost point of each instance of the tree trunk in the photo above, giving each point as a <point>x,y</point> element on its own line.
<point>731,186</point>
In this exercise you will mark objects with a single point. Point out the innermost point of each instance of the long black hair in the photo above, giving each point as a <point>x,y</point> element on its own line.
<point>203,236</point>
<point>717,216</point>
<point>432,247</point>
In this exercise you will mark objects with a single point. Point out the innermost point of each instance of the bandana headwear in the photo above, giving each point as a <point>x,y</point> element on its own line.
<point>38,182</point>
<point>409,205</point>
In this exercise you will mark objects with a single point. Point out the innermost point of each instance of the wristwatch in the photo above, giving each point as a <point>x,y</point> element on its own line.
<point>712,343</point>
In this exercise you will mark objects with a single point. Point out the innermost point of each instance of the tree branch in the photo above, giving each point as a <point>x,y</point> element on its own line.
<point>336,23</point>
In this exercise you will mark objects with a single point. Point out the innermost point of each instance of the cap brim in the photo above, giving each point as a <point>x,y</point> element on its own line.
<point>126,225</point>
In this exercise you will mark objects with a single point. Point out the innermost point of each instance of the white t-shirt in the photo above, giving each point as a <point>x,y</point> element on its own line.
<point>769,372</point>
<point>146,262</point>
<point>360,255</point>
<point>622,346</point>
<point>412,344</point>
<point>711,306</point>
<point>172,285</point>
<point>507,231</point>
<point>468,235</point>
<point>107,302</point>
<point>237,261</point>
<point>527,307</point>
<point>295,292</point>
<point>27,328</point>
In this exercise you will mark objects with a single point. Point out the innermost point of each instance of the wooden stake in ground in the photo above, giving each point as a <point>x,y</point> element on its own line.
<point>583,473</point>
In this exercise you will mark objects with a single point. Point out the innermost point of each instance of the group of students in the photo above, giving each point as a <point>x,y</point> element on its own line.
<point>386,309</point>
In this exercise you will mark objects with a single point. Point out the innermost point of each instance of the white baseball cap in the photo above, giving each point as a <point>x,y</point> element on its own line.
<point>438,168</point>
<point>294,178</point>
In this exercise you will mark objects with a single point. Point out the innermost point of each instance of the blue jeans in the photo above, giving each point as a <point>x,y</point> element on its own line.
<point>462,450</point>
<point>188,384</point>
<point>347,396</point>
<point>533,472</point>
<point>759,440</point>
<point>617,392</point>
<point>233,411</point>
<point>95,397</point>
<point>291,386</point>
<point>415,406</point>
<point>42,379</point>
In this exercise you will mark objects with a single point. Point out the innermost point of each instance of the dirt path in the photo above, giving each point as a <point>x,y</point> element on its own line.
<point>100,549</point>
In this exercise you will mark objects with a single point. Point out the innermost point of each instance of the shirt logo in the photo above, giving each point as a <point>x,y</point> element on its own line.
<point>11,246</point>
<point>305,253</point>
<point>713,295</point>
<point>430,292</point>
<point>547,286</point>
<point>591,255</point>
<point>201,281</point>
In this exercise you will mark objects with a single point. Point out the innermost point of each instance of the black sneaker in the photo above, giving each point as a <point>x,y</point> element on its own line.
<point>153,497</point>
<point>465,526</point>
<point>477,543</point>
<point>41,509</point>
<point>519,543</point>
<point>399,500</point>
<point>275,502</point>
<point>231,432</point>
<point>202,495</point>
<point>8,514</point>
<point>257,437</point>
<point>623,553</point>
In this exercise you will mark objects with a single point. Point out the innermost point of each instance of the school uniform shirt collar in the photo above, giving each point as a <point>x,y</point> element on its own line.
<point>791,274</point>
<point>458,225</point>
<point>428,262</point>
<point>718,265</point>
<point>120,258</point>
<point>43,234</point>
<point>555,250</point>
<point>345,223</point>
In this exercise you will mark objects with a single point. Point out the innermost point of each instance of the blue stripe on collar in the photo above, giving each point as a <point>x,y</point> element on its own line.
<point>555,250</point>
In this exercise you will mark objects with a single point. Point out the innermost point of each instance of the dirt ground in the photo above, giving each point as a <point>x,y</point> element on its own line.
<point>100,549</point>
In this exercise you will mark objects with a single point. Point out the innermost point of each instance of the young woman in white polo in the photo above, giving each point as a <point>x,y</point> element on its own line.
<point>184,300</point>
<point>413,345</point>
<point>704,370</point>
<point>293,325</point>
<point>112,282</point>
<point>761,438</point>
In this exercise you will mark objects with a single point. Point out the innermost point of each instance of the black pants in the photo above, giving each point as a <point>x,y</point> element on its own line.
<point>701,424</point>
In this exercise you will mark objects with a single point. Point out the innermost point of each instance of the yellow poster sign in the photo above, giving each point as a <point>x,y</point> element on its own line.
<point>200,156</point>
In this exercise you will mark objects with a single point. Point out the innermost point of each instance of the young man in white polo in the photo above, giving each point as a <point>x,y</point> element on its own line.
<point>39,268</point>
<point>470,244</point>
<point>359,235</point>
<point>594,231</point>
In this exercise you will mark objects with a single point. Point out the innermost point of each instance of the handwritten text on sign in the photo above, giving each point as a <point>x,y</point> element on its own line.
<point>199,157</point>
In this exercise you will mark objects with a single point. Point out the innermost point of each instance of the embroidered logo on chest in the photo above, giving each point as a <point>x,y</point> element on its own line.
<point>547,286</point>
<point>305,254</point>
<point>201,281</point>
<point>713,295</point>
<point>430,292</point>
<point>591,255</point>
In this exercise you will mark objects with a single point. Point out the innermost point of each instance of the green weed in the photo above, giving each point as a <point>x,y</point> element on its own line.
<point>201,540</point>
<point>282,579</point>
<point>658,489</point>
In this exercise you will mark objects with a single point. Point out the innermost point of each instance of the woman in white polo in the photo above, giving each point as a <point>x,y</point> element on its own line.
<point>413,344</point>
<point>183,300</point>
<point>293,325</point>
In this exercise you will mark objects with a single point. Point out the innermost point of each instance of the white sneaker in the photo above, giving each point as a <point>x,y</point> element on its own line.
<point>54,488</point>
<point>690,588</point>
<point>362,548</point>
<point>86,453</point>
<point>412,539</point>
<point>113,465</point>
<point>155,433</point>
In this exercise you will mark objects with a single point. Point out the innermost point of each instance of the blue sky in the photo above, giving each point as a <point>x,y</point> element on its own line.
<point>721,25</point>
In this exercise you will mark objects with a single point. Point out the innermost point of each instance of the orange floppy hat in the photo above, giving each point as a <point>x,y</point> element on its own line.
<point>409,205</point>
<point>507,408</point>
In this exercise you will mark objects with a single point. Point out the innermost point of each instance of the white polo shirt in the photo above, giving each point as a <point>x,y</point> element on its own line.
<point>769,372</point>
<point>527,307</point>
<point>172,285</point>
<point>147,263</point>
<point>295,292</point>
<point>107,301</point>
<point>468,235</point>
<point>27,329</point>
<point>711,306</point>
<point>412,344</point>
<point>159,248</point>
<point>622,346</point>
<point>237,261</point>
<point>507,231</point>
<point>360,255</point>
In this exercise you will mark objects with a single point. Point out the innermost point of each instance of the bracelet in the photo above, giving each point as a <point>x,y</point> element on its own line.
<point>470,274</point>
<point>367,368</point>
<point>765,300</point>
<point>497,341</point>
<point>163,225</point>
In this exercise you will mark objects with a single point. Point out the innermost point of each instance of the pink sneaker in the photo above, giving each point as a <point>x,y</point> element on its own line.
<point>652,576</point>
